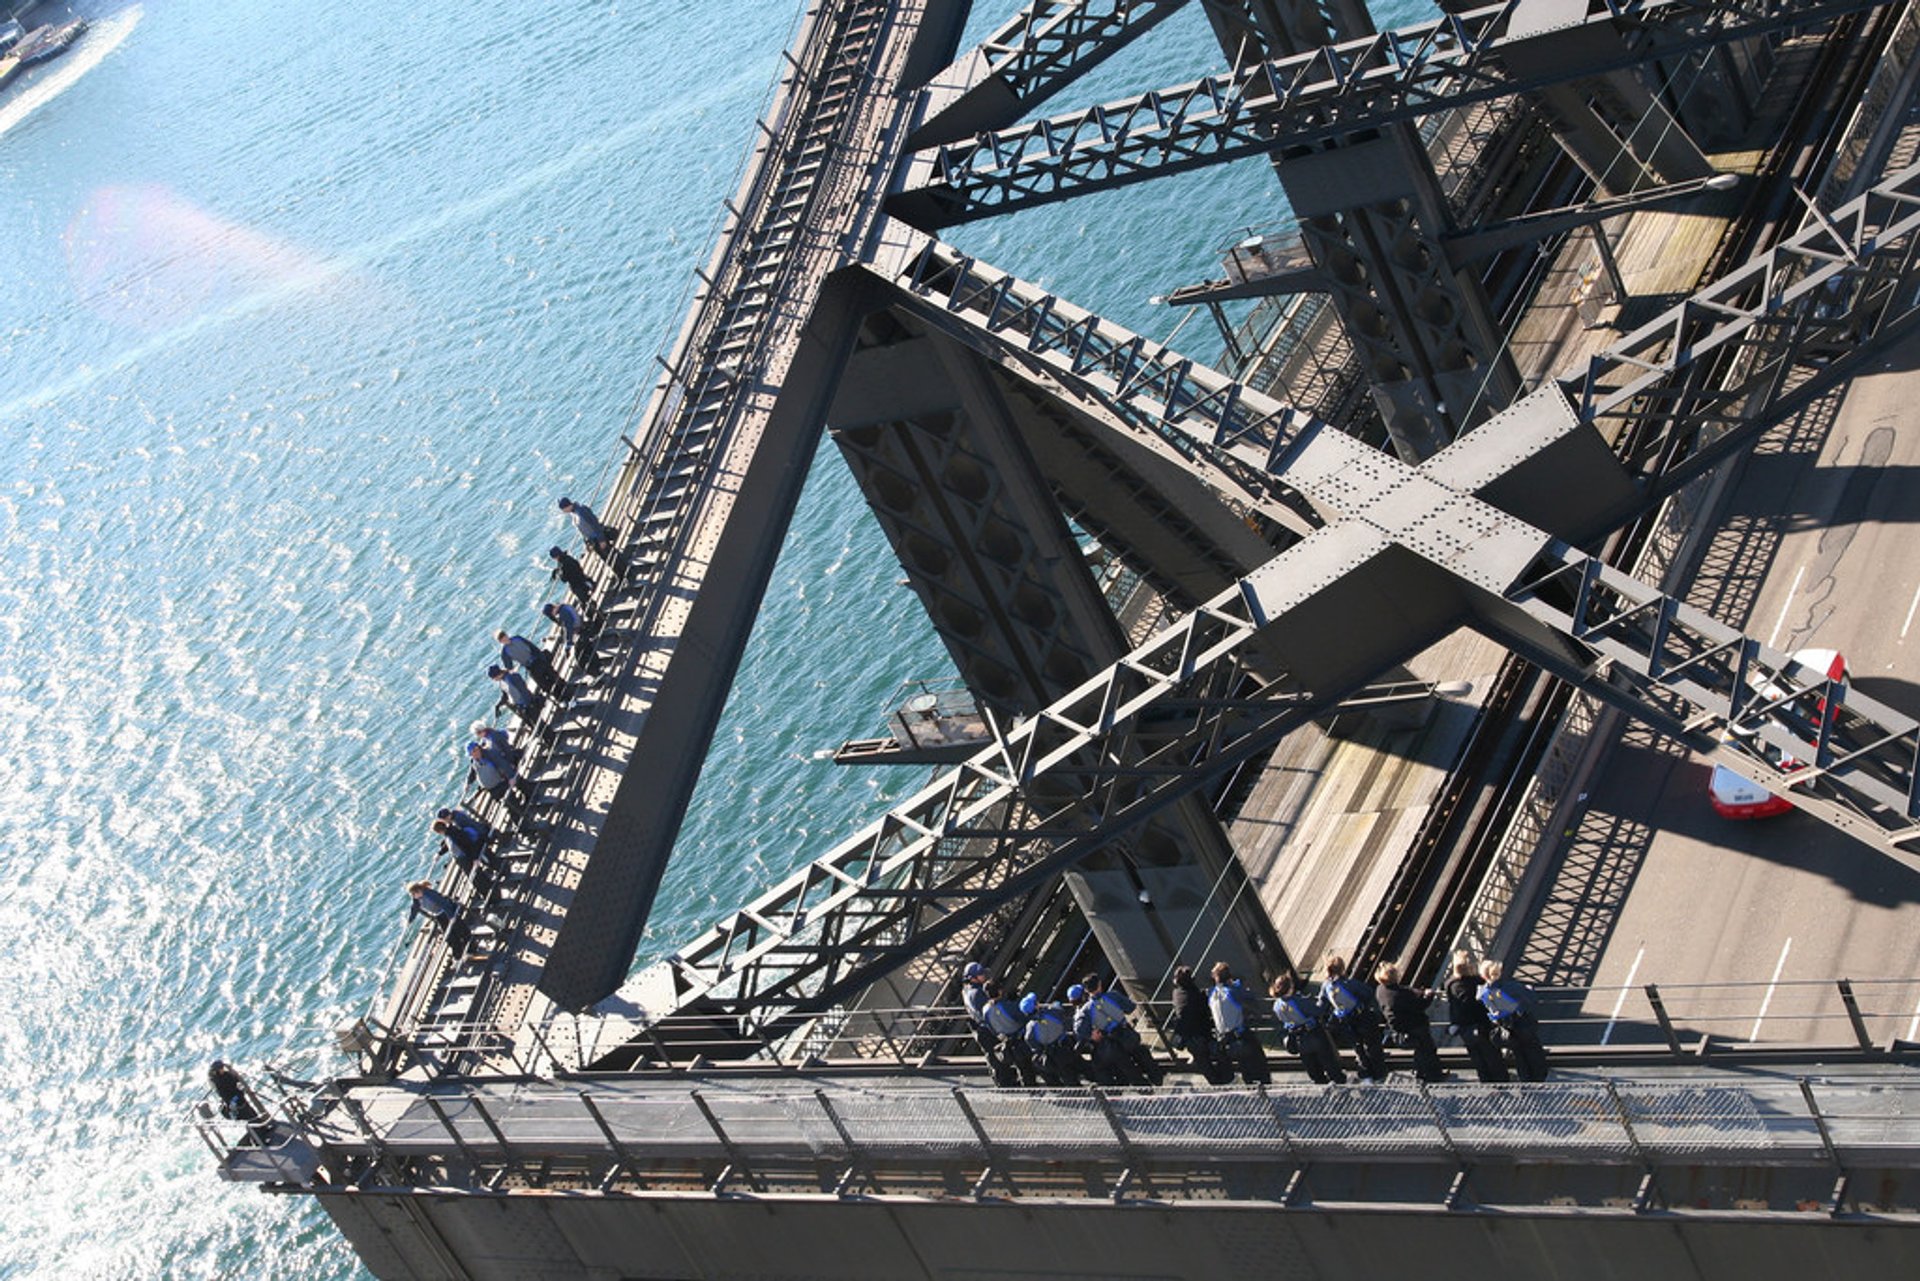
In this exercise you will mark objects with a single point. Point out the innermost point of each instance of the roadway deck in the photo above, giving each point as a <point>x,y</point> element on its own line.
<point>1814,548</point>
<point>1335,809</point>
<point>1811,547</point>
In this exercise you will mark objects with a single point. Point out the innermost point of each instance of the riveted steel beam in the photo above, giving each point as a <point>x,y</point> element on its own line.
<point>1334,92</point>
<point>1039,51</point>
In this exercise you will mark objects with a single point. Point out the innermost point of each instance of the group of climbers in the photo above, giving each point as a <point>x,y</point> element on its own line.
<point>1090,1037</point>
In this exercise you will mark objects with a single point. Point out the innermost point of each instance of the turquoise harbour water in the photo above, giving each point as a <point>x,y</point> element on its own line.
<point>307,313</point>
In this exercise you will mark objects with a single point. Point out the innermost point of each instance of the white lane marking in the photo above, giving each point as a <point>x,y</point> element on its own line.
<point>1913,1028</point>
<point>1771,984</point>
<point>1786,605</point>
<point>1909,623</point>
<point>1621,1000</point>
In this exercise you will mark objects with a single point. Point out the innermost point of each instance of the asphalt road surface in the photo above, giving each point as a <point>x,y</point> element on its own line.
<point>1815,546</point>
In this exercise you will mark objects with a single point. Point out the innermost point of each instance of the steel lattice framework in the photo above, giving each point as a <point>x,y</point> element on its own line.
<point>1201,696</point>
<point>1039,51</point>
<point>1343,89</point>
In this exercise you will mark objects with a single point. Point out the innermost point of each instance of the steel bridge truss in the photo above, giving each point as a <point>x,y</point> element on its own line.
<point>1054,787</point>
<point>1042,49</point>
<point>1203,695</point>
<point>1695,385</point>
<point>1337,91</point>
<point>1850,760</point>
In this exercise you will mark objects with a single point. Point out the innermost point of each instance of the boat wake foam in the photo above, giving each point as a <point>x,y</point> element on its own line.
<point>102,38</point>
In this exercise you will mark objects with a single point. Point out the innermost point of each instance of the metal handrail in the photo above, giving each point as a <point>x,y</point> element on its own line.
<point>421,956</point>
<point>1661,1015</point>
<point>469,1138</point>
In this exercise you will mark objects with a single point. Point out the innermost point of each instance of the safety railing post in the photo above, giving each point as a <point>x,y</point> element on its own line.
<point>1666,1023</point>
<point>622,1161</point>
<point>1840,1180</point>
<point>1297,1181</point>
<point>852,1171</point>
<point>493,1128</point>
<point>768,1044</point>
<point>1459,1184</point>
<point>556,1069</point>
<point>993,1165</point>
<point>1120,1185</point>
<point>467,1154</point>
<point>1649,1190</point>
<point>652,1029</point>
<point>736,1159</point>
<point>1847,998</point>
<point>375,1144</point>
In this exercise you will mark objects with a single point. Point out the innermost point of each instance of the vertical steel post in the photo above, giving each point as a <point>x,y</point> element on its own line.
<point>493,1128</point>
<point>467,1154</point>
<point>1649,1186</point>
<point>1854,1016</point>
<point>986,1148</point>
<point>736,1159</point>
<point>1228,338</point>
<point>374,1142</point>
<point>540,1041</point>
<point>621,1159</point>
<point>1666,1024</point>
<point>1297,1182</point>
<point>852,1171</point>
<point>1119,1191</point>
<point>1452,1199</point>
<point>1609,262</point>
<point>1838,1200</point>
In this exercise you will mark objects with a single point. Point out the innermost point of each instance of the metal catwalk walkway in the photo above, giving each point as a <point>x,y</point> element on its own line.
<point>700,507</point>
<point>692,1175</point>
<point>886,1136</point>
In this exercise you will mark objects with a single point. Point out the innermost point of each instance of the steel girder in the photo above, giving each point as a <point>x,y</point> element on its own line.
<point>1189,702</point>
<point>1052,790</point>
<point>1693,386</point>
<point>1042,49</point>
<point>1151,728</point>
<point>1313,97</point>
<point>1849,759</point>
<point>1678,395</point>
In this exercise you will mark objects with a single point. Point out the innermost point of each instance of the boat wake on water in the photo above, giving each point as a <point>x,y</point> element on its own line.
<point>102,38</point>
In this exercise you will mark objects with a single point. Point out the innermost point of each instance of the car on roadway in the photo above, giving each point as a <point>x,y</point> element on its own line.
<point>1734,795</point>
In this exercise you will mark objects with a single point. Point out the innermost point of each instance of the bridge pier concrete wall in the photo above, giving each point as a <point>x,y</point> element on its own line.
<point>418,1236</point>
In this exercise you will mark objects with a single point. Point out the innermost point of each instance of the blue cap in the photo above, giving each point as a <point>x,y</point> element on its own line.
<point>565,503</point>
<point>1076,993</point>
<point>1028,1004</point>
<point>973,971</point>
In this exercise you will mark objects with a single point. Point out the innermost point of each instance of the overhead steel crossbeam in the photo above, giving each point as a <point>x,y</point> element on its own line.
<point>1852,760</point>
<point>1045,47</point>
<point>1051,790</point>
<point>1182,403</point>
<point>1690,388</point>
<point>1345,481</point>
<point>1309,98</point>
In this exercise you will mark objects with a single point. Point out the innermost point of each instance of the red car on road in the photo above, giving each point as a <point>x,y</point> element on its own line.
<point>1734,795</point>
